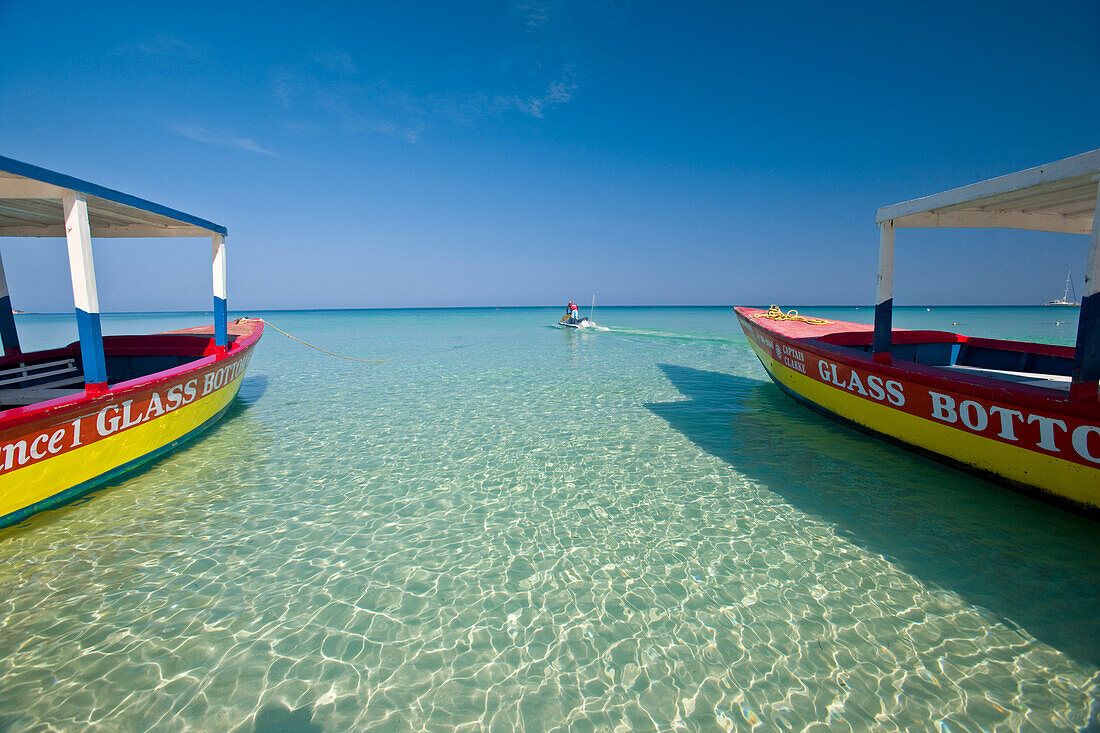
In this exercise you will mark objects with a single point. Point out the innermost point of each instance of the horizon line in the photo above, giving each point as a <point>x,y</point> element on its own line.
<point>519,307</point>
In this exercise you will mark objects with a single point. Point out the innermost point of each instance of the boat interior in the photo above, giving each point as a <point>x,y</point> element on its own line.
<point>26,379</point>
<point>1059,197</point>
<point>1035,365</point>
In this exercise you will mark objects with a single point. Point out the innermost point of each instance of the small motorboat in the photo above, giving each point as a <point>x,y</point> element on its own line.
<point>580,324</point>
<point>574,321</point>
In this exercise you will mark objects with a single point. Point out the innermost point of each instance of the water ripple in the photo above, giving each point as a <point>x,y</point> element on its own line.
<point>545,531</point>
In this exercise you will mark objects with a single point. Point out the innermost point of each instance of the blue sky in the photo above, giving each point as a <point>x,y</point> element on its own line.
<point>531,152</point>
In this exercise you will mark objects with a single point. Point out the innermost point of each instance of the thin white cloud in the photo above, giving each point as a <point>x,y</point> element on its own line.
<point>534,13</point>
<point>464,107</point>
<point>336,61</point>
<point>557,92</point>
<point>203,134</point>
<point>400,132</point>
<point>166,46</point>
<point>327,91</point>
<point>286,83</point>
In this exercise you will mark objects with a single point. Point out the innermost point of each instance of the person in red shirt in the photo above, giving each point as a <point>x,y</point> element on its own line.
<point>571,309</point>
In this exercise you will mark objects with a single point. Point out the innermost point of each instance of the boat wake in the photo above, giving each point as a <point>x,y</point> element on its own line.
<point>673,335</point>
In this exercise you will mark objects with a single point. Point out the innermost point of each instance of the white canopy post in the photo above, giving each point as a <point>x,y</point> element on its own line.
<point>78,233</point>
<point>8,335</point>
<point>884,296</point>
<point>221,309</point>
<point>1086,355</point>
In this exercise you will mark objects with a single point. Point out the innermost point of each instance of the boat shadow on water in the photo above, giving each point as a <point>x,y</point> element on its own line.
<point>1033,565</point>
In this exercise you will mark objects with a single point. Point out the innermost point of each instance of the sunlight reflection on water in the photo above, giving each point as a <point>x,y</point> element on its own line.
<point>509,525</point>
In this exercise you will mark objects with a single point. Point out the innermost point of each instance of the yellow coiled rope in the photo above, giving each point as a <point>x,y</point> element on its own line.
<point>776,314</point>
<point>338,356</point>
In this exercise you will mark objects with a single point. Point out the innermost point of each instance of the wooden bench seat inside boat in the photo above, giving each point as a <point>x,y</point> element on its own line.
<point>26,383</point>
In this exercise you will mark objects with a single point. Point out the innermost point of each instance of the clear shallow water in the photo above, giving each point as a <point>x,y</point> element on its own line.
<point>512,526</point>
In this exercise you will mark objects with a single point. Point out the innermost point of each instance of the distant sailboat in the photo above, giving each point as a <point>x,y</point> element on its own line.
<point>1063,300</point>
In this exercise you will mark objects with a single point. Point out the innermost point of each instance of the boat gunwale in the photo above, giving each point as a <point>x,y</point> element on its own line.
<point>917,336</point>
<point>1032,396</point>
<point>47,410</point>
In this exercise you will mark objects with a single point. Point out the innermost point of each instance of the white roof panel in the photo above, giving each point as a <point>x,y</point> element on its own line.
<point>30,206</point>
<point>1056,197</point>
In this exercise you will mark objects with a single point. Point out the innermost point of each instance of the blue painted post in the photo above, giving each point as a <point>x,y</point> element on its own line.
<point>221,308</point>
<point>1086,355</point>
<point>78,234</point>
<point>884,296</point>
<point>8,335</point>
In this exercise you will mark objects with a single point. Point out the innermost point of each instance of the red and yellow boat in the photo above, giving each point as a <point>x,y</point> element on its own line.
<point>78,415</point>
<point>1023,414</point>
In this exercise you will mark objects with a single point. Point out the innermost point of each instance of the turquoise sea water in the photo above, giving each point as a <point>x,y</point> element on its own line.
<point>510,526</point>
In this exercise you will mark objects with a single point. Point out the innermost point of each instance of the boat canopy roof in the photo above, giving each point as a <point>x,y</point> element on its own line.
<point>1056,197</point>
<point>30,206</point>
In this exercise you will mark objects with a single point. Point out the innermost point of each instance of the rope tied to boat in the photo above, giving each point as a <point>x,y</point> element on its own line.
<point>318,348</point>
<point>776,313</point>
